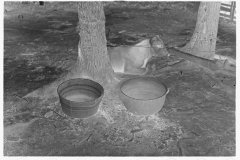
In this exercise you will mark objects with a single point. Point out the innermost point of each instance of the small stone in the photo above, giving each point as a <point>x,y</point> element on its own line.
<point>136,129</point>
<point>11,138</point>
<point>48,114</point>
<point>145,124</point>
<point>51,107</point>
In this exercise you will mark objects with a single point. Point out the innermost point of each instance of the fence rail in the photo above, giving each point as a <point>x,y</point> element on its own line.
<point>228,10</point>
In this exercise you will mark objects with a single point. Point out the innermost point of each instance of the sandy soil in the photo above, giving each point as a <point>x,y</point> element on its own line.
<point>40,44</point>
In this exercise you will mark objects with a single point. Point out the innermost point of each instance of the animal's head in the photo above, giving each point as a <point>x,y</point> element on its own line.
<point>158,46</point>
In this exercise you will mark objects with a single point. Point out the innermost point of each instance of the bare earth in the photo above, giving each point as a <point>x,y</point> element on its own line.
<point>40,44</point>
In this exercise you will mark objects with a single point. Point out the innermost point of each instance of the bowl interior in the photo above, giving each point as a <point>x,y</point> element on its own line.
<point>143,88</point>
<point>80,95</point>
<point>80,90</point>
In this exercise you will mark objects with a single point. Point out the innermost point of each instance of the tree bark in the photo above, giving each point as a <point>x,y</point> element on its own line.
<point>203,41</point>
<point>93,60</point>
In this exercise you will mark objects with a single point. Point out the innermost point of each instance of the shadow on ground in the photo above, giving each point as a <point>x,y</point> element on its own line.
<point>40,44</point>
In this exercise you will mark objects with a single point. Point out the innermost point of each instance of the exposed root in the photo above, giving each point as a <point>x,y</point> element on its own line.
<point>215,66</point>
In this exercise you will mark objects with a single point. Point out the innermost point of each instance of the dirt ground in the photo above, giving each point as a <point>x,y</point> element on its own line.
<point>40,45</point>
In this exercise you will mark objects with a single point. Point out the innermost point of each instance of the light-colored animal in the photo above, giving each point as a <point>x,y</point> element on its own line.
<point>134,59</point>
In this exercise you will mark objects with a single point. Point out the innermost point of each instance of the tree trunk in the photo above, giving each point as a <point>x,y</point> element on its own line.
<point>93,60</point>
<point>203,41</point>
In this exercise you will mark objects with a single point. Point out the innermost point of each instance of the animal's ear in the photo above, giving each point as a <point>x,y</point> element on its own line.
<point>160,35</point>
<point>153,39</point>
<point>158,42</point>
<point>156,37</point>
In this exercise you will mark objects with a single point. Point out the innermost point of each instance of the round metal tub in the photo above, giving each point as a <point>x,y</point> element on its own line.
<point>143,95</point>
<point>80,97</point>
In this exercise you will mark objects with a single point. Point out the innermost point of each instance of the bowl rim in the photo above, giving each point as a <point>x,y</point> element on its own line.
<point>101,92</point>
<point>152,78</point>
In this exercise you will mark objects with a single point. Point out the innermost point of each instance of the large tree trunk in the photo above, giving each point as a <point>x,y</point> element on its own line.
<point>203,41</point>
<point>93,60</point>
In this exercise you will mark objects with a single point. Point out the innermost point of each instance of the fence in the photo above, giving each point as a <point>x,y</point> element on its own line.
<point>228,10</point>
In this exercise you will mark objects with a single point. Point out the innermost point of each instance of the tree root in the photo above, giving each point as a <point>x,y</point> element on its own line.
<point>187,65</point>
<point>215,66</point>
<point>179,66</point>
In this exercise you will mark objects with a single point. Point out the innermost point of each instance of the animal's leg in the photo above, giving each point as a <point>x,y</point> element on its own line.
<point>144,63</point>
